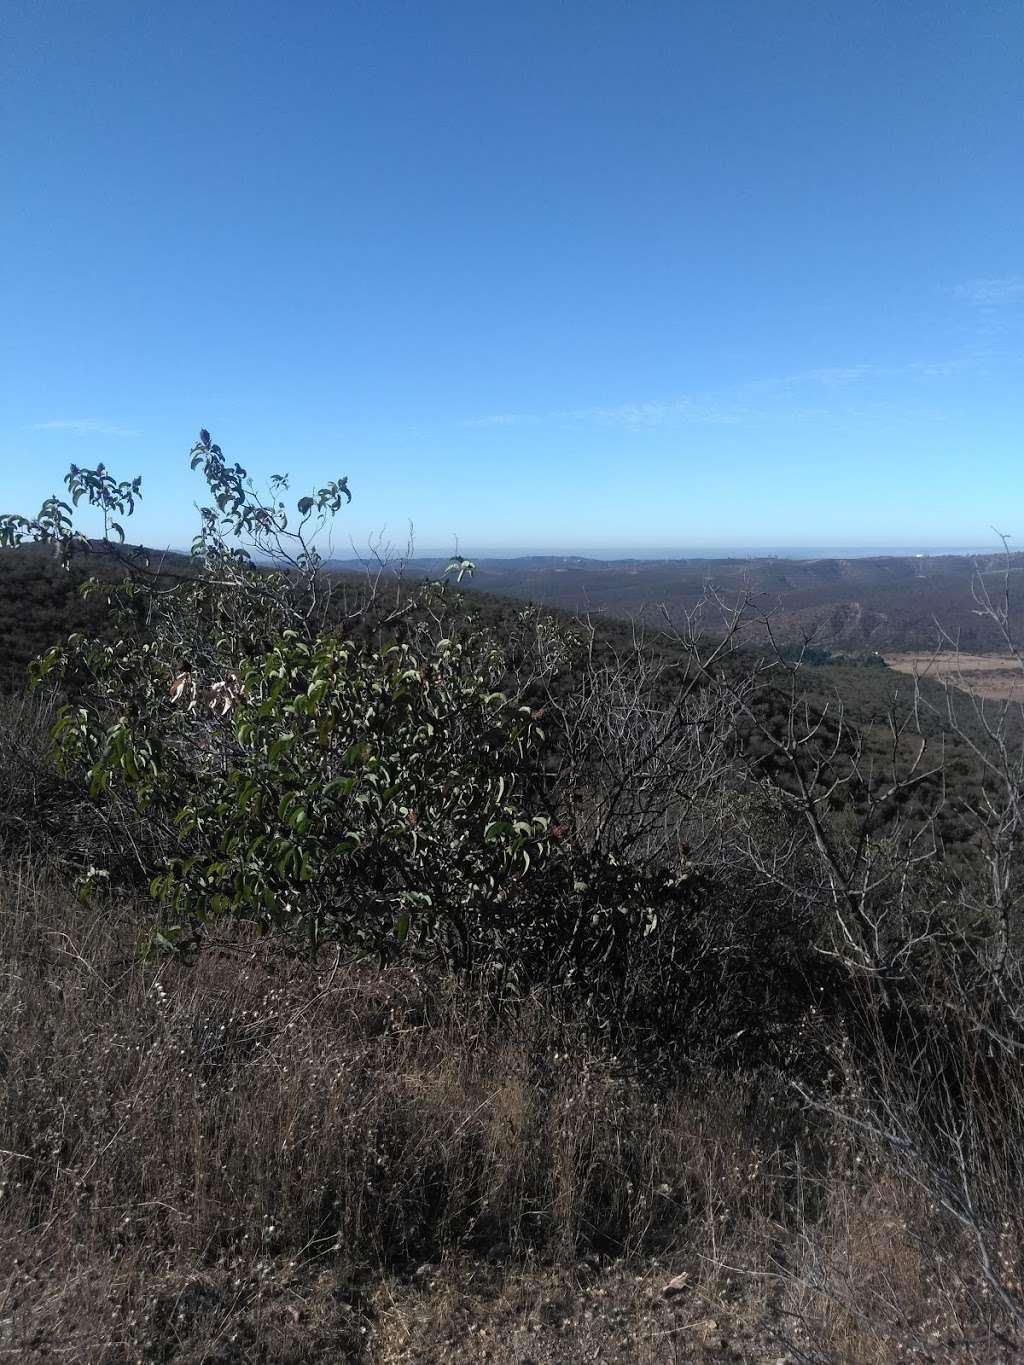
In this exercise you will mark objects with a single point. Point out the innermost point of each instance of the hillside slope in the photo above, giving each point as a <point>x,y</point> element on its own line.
<point>883,603</point>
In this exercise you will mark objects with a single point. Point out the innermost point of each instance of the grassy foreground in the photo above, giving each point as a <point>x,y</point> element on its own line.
<point>243,1160</point>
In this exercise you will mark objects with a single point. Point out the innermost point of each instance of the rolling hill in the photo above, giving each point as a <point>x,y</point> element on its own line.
<point>885,603</point>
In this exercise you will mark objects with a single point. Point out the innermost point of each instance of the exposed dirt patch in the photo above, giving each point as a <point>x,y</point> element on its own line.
<point>457,1313</point>
<point>992,676</point>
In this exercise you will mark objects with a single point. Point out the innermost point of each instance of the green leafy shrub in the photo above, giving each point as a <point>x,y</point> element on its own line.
<point>366,795</point>
<point>377,770</point>
<point>303,778</point>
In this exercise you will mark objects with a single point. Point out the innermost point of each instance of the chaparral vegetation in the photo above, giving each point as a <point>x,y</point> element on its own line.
<point>392,973</point>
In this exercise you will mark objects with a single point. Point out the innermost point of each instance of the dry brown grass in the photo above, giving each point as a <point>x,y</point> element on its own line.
<point>994,677</point>
<point>250,1159</point>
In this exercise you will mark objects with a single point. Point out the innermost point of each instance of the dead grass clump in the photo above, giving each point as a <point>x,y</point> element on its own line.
<point>250,1158</point>
<point>885,1277</point>
<point>249,1113</point>
<point>916,1252</point>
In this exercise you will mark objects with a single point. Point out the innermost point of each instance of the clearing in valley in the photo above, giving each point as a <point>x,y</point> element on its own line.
<point>996,677</point>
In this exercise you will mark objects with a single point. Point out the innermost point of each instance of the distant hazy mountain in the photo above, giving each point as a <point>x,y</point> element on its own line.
<point>874,602</point>
<point>884,602</point>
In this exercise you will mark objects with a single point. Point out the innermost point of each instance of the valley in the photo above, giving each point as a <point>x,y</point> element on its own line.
<point>886,603</point>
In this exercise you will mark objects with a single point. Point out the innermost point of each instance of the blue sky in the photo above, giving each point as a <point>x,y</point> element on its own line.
<point>543,275</point>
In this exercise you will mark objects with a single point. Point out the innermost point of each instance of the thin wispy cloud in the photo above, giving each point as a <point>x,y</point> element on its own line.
<point>498,419</point>
<point>822,376</point>
<point>727,407</point>
<point>652,413</point>
<point>755,400</point>
<point>995,311</point>
<point>643,413</point>
<point>83,426</point>
<point>834,376</point>
<point>940,369</point>
<point>991,293</point>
